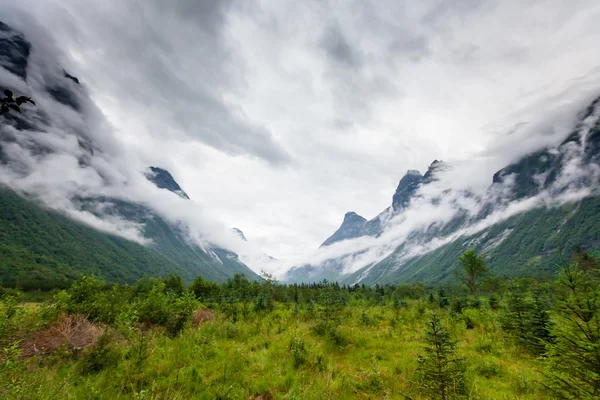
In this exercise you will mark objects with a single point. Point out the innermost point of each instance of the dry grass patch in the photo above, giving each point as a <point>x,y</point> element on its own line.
<point>200,316</point>
<point>74,332</point>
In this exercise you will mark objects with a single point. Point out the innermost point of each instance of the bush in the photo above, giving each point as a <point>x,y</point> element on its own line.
<point>488,368</point>
<point>330,331</point>
<point>102,355</point>
<point>166,309</point>
<point>298,351</point>
<point>469,322</point>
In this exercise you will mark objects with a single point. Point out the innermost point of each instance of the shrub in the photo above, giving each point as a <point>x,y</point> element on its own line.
<point>443,300</point>
<point>488,368</point>
<point>374,382</point>
<point>166,309</point>
<point>204,290</point>
<point>298,351</point>
<point>469,322</point>
<point>458,305</point>
<point>364,318</point>
<point>102,355</point>
<point>330,331</point>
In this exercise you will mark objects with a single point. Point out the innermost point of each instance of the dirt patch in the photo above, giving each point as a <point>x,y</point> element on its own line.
<point>201,316</point>
<point>72,331</point>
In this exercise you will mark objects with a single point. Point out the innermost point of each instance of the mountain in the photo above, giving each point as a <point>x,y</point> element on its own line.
<point>68,207</point>
<point>228,262</point>
<point>352,227</point>
<point>164,180</point>
<point>240,234</point>
<point>545,199</point>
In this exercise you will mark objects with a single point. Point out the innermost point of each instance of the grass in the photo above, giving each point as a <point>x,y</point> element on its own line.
<point>373,356</point>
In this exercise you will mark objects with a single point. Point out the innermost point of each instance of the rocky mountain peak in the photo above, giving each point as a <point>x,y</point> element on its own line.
<point>351,227</point>
<point>164,180</point>
<point>240,233</point>
<point>353,218</point>
<point>406,188</point>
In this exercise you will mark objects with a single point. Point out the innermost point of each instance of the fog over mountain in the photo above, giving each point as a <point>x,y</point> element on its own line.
<point>63,153</point>
<point>280,125</point>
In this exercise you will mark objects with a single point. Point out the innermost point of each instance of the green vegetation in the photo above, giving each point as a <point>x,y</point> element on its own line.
<point>8,102</point>
<point>241,339</point>
<point>473,270</point>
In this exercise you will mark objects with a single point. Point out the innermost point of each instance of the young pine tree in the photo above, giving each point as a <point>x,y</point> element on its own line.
<point>443,300</point>
<point>473,270</point>
<point>440,371</point>
<point>573,363</point>
<point>517,310</point>
<point>540,325</point>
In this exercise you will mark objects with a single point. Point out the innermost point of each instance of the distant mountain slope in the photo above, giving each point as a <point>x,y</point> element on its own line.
<point>520,243</point>
<point>41,248</point>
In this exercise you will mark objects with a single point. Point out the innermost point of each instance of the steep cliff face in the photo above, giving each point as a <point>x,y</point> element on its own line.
<point>407,187</point>
<point>352,226</point>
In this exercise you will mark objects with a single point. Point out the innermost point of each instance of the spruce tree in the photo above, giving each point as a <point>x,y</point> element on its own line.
<point>539,329</point>
<point>440,371</point>
<point>516,313</point>
<point>573,363</point>
<point>443,300</point>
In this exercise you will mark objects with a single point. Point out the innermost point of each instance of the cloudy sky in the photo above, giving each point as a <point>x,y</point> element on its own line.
<point>280,116</point>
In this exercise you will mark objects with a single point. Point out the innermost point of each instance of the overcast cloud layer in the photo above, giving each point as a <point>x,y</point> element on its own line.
<point>280,116</point>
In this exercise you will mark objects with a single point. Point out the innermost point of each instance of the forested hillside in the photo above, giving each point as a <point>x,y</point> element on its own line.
<point>45,249</point>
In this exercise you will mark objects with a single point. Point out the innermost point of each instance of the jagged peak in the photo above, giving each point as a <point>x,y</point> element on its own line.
<point>350,228</point>
<point>351,215</point>
<point>164,180</point>
<point>240,233</point>
<point>435,166</point>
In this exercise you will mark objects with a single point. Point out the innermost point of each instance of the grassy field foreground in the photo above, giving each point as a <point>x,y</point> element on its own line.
<point>277,354</point>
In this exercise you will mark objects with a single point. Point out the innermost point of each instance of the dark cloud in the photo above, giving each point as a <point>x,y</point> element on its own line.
<point>338,48</point>
<point>444,12</point>
<point>408,46</point>
<point>170,58</point>
<point>206,14</point>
